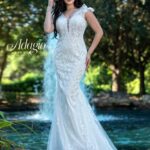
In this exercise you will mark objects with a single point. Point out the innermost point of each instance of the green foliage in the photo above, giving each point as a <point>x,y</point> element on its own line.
<point>24,84</point>
<point>22,64</point>
<point>20,20</point>
<point>133,87</point>
<point>98,78</point>
<point>125,44</point>
<point>5,143</point>
<point>147,81</point>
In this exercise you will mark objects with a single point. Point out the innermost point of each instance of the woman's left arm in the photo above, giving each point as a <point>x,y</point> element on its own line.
<point>95,25</point>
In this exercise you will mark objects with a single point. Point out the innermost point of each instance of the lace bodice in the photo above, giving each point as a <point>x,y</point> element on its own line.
<point>73,25</point>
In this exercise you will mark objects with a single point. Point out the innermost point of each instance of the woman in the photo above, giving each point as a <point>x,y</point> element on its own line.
<point>74,126</point>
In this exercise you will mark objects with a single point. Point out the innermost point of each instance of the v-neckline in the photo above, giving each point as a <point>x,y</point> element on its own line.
<point>68,17</point>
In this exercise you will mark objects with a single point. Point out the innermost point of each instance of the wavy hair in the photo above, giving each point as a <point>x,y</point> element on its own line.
<point>60,7</point>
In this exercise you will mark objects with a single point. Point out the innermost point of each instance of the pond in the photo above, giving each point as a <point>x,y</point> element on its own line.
<point>129,129</point>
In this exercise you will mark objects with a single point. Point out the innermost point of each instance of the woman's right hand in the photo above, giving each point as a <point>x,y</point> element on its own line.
<point>50,3</point>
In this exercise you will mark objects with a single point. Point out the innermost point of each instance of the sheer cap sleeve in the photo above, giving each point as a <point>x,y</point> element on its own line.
<point>85,8</point>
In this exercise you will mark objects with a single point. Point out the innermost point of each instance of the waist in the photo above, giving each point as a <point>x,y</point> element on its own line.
<point>65,45</point>
<point>71,41</point>
<point>71,38</point>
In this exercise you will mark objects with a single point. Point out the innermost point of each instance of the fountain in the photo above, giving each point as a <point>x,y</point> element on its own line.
<point>49,82</point>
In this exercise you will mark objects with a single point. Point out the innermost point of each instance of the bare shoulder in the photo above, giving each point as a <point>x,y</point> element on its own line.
<point>88,11</point>
<point>90,16</point>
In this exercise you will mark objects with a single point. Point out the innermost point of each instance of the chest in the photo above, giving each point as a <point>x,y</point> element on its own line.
<point>74,23</point>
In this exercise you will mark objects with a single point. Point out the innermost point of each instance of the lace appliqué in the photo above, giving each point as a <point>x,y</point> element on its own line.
<point>86,8</point>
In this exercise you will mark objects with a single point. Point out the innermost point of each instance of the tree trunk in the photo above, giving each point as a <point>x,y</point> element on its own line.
<point>3,64</point>
<point>141,72</point>
<point>142,79</point>
<point>116,75</point>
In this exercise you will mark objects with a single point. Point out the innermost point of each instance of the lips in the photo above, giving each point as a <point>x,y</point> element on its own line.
<point>69,0</point>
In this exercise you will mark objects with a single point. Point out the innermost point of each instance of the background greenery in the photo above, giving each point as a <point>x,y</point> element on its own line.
<point>120,62</point>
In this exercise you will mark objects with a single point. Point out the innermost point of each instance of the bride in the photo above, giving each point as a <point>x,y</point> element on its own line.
<point>74,124</point>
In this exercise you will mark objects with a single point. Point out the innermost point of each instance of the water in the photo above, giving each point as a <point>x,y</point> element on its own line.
<point>129,129</point>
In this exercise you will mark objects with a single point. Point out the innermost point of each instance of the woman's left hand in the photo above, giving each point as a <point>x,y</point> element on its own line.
<point>88,60</point>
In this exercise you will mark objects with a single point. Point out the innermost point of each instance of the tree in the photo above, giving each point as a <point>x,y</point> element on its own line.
<point>137,40</point>
<point>19,19</point>
<point>125,42</point>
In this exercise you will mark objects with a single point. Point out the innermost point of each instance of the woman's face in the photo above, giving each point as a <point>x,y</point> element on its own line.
<point>68,2</point>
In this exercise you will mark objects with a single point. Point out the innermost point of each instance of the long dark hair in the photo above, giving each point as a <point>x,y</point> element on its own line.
<point>60,7</point>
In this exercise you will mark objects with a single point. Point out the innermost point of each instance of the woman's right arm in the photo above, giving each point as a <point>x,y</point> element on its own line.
<point>48,22</point>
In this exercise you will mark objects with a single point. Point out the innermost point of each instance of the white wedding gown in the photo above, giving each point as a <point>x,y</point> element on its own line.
<point>74,125</point>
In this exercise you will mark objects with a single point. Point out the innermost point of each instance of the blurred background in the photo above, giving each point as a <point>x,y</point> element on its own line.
<point>118,78</point>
